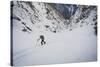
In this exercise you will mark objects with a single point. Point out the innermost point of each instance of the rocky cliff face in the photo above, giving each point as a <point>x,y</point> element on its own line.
<point>85,15</point>
<point>28,16</point>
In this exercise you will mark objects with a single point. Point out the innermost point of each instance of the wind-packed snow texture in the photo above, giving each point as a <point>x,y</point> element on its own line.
<point>70,33</point>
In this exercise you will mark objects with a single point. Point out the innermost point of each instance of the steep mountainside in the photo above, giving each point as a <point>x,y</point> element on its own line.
<point>52,17</point>
<point>29,16</point>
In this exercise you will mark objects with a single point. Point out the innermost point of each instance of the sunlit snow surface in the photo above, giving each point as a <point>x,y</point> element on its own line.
<point>77,45</point>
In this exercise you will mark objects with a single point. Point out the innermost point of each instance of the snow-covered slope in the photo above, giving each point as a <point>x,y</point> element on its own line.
<point>85,15</point>
<point>60,48</point>
<point>37,15</point>
<point>67,40</point>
